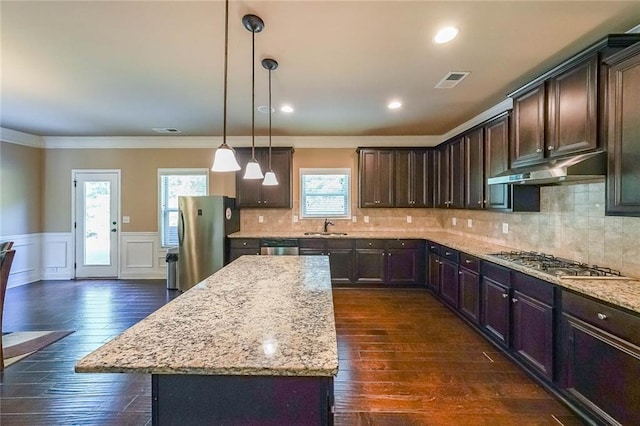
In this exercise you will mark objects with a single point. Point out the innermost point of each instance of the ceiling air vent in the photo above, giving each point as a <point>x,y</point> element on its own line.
<point>165,130</point>
<point>451,80</point>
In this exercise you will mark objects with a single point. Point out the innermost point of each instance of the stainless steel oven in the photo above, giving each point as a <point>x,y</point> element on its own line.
<point>279,247</point>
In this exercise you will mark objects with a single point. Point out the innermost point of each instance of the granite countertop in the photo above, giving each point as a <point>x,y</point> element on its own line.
<point>260,315</point>
<point>620,292</point>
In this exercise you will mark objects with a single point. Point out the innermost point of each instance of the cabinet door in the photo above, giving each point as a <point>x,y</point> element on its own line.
<point>311,252</point>
<point>623,176</point>
<point>235,253</point>
<point>442,190</point>
<point>278,196</point>
<point>572,110</point>
<point>470,294</point>
<point>376,178</point>
<point>495,310</point>
<point>386,178</point>
<point>434,273</point>
<point>412,178</point>
<point>457,174</point>
<point>248,191</point>
<point>449,282</point>
<point>528,127</point>
<point>533,333</point>
<point>341,264</point>
<point>496,158</point>
<point>474,169</point>
<point>601,372</point>
<point>404,267</point>
<point>370,266</point>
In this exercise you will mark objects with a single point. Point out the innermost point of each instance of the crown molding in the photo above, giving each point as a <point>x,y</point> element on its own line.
<point>20,138</point>
<point>503,106</point>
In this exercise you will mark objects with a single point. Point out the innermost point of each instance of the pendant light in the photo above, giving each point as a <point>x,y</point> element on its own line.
<point>225,158</point>
<point>270,177</point>
<point>254,24</point>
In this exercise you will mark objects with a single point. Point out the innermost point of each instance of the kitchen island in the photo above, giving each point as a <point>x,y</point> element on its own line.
<point>253,343</point>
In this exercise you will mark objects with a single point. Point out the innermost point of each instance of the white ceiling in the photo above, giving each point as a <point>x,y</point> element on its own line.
<point>120,68</point>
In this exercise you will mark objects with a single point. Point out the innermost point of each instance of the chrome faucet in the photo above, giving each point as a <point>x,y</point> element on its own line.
<point>326,224</point>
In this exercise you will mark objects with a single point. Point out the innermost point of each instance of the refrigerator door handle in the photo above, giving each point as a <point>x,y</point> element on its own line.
<point>181,229</point>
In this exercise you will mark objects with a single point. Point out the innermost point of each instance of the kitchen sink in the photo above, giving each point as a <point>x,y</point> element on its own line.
<point>326,233</point>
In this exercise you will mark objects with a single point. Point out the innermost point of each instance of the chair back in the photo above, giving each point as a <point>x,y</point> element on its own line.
<point>6,259</point>
<point>6,245</point>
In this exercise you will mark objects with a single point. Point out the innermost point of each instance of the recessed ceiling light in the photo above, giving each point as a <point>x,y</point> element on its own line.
<point>445,34</point>
<point>394,104</point>
<point>265,109</point>
<point>286,108</point>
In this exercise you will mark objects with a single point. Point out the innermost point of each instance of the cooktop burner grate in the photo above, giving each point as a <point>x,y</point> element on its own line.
<point>555,265</point>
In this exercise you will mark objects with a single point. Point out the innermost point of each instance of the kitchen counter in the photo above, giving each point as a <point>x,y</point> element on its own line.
<point>260,315</point>
<point>620,292</point>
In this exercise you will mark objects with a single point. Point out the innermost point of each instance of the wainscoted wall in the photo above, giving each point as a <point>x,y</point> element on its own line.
<point>50,256</point>
<point>571,224</point>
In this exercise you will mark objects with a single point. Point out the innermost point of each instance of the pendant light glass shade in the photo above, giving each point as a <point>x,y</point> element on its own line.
<point>270,179</point>
<point>224,159</point>
<point>253,170</point>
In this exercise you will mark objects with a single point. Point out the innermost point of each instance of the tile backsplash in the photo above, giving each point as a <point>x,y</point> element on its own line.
<point>571,224</point>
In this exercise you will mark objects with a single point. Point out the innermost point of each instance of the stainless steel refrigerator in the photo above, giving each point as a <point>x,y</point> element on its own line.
<point>203,225</point>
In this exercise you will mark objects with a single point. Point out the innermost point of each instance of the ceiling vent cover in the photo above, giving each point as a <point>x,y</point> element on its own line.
<point>165,130</point>
<point>452,79</point>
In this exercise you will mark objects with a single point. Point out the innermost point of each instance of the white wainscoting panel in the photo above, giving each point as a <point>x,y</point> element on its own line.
<point>57,256</point>
<point>141,256</point>
<point>26,263</point>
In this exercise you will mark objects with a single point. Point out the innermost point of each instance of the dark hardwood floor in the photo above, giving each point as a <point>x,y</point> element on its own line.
<point>405,359</point>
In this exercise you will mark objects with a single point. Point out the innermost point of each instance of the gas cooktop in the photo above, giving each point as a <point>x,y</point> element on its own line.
<point>563,268</point>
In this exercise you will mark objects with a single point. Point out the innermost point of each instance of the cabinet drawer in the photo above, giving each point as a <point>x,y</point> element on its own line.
<point>496,273</point>
<point>532,287</point>
<point>470,262</point>
<point>315,243</point>
<point>450,254</point>
<point>339,243</point>
<point>370,244</point>
<point>615,321</point>
<point>405,244</point>
<point>433,247</point>
<point>245,243</point>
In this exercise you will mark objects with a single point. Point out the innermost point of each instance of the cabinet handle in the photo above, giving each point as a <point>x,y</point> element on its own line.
<point>538,150</point>
<point>328,254</point>
<point>550,148</point>
<point>370,244</point>
<point>602,316</point>
<point>244,244</point>
<point>480,202</point>
<point>446,253</point>
<point>432,247</point>
<point>402,244</point>
<point>388,254</point>
<point>514,300</point>
<point>467,261</point>
<point>459,272</point>
<point>505,295</point>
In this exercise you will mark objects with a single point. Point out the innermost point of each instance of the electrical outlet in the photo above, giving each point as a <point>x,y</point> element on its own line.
<point>354,219</point>
<point>295,219</point>
<point>505,228</point>
<point>409,219</point>
<point>125,219</point>
<point>469,223</point>
<point>366,219</point>
<point>260,219</point>
<point>454,221</point>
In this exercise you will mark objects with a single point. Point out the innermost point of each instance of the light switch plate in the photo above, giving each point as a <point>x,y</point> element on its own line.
<point>469,223</point>
<point>354,219</point>
<point>260,219</point>
<point>505,228</point>
<point>366,219</point>
<point>125,219</point>
<point>409,219</point>
<point>454,221</point>
<point>295,219</point>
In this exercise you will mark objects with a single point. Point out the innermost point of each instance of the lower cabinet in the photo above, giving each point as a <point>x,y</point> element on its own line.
<point>469,287</point>
<point>496,317</point>
<point>433,263</point>
<point>242,246</point>
<point>600,359</point>
<point>340,252</point>
<point>391,262</point>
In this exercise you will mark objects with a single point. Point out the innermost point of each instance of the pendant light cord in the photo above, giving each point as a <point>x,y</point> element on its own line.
<point>226,60</point>
<point>270,112</point>
<point>253,94</point>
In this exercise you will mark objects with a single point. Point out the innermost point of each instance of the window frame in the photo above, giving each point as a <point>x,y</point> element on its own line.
<point>325,171</point>
<point>196,171</point>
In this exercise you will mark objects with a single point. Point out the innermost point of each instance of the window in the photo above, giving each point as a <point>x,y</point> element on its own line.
<point>325,193</point>
<point>173,183</point>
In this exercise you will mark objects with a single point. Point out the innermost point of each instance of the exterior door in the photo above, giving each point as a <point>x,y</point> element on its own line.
<point>96,225</point>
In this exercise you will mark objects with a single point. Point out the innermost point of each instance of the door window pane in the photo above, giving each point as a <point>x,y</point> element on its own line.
<point>97,227</point>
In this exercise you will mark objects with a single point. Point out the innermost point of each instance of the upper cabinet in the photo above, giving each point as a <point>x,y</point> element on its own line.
<point>251,193</point>
<point>449,174</point>
<point>413,183</point>
<point>376,177</point>
<point>558,113</point>
<point>623,140</point>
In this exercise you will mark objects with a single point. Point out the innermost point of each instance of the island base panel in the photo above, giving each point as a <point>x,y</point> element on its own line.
<point>267,400</point>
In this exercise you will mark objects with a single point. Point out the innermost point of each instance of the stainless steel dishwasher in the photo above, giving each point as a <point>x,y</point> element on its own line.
<point>279,247</point>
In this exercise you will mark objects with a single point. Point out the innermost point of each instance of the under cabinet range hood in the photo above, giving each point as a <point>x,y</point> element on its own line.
<point>590,166</point>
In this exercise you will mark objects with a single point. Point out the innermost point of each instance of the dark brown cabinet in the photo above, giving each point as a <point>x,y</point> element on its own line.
<point>376,177</point>
<point>251,193</point>
<point>391,262</point>
<point>623,178</point>
<point>442,176</point>
<point>449,173</point>
<point>496,161</point>
<point>469,287</point>
<point>433,260</point>
<point>496,312</point>
<point>243,246</point>
<point>533,303</point>
<point>527,144</point>
<point>341,256</point>
<point>413,178</point>
<point>601,359</point>
<point>443,273</point>
<point>474,153</point>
